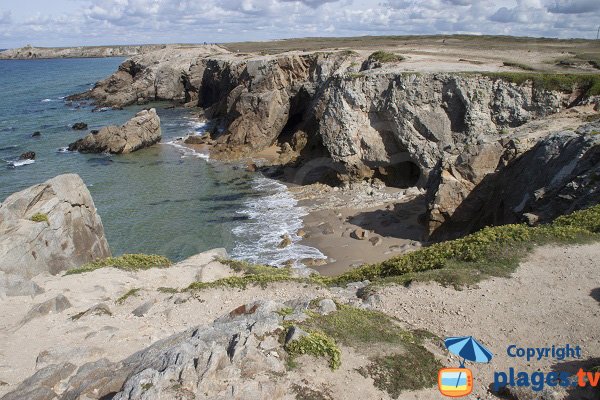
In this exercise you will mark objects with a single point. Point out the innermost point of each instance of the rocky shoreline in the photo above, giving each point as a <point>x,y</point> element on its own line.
<point>385,160</point>
<point>32,53</point>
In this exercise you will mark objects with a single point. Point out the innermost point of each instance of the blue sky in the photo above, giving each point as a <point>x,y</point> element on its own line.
<point>94,22</point>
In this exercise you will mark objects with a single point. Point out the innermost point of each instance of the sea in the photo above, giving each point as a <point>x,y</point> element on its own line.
<point>167,199</point>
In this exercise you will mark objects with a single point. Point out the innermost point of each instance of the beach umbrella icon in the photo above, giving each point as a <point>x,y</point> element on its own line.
<point>469,349</point>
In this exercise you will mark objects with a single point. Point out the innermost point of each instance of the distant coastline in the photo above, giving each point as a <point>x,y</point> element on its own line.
<point>31,52</point>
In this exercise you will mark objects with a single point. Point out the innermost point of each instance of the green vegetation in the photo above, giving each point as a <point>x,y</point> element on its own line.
<point>285,311</point>
<point>306,393</point>
<point>524,67</point>
<point>147,386</point>
<point>356,327</point>
<point>40,217</point>
<point>385,57</point>
<point>589,83</point>
<point>316,344</point>
<point>592,118</point>
<point>412,370</point>
<point>251,275</point>
<point>167,290</point>
<point>402,364</point>
<point>354,75</point>
<point>130,293</point>
<point>128,262</point>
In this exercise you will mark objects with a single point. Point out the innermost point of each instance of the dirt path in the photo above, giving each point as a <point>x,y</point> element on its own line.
<point>552,299</point>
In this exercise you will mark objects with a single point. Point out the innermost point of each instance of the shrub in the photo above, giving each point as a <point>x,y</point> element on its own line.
<point>40,217</point>
<point>385,57</point>
<point>130,293</point>
<point>128,262</point>
<point>518,65</point>
<point>316,344</point>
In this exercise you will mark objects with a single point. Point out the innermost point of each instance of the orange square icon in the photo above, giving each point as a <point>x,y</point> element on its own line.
<point>455,382</point>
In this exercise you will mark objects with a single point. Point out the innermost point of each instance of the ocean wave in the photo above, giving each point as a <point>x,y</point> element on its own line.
<point>186,151</point>
<point>65,150</point>
<point>19,163</point>
<point>270,218</point>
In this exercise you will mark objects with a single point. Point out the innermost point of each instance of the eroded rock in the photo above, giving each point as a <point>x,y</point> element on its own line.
<point>68,232</point>
<point>141,131</point>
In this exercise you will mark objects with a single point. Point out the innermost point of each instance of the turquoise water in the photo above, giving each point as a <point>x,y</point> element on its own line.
<point>164,200</point>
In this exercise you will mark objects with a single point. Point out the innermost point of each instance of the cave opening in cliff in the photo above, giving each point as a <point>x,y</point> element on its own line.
<point>296,116</point>
<point>402,175</point>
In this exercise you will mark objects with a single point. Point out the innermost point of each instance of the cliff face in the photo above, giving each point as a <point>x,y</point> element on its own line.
<point>439,131</point>
<point>381,120</point>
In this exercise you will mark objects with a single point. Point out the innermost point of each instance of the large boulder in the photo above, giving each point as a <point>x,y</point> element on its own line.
<point>141,131</point>
<point>50,227</point>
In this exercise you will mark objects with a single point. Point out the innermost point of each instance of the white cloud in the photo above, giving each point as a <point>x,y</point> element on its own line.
<point>156,21</point>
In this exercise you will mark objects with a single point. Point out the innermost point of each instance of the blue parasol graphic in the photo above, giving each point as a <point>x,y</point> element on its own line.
<point>469,349</point>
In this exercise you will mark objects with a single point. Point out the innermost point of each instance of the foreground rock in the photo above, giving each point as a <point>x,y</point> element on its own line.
<point>141,131</point>
<point>50,227</point>
<point>225,360</point>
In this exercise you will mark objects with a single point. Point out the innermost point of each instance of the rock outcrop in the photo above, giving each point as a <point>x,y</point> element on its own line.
<point>141,131</point>
<point>237,357</point>
<point>163,74</point>
<point>50,227</point>
<point>500,185</point>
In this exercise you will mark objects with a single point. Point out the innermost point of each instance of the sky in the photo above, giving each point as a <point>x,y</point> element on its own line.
<point>98,22</point>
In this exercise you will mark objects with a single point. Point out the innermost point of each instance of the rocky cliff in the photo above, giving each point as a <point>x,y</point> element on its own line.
<point>141,131</point>
<point>517,182</point>
<point>404,128</point>
<point>50,227</point>
<point>30,52</point>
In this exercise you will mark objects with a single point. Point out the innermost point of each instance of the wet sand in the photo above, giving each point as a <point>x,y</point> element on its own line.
<point>391,227</point>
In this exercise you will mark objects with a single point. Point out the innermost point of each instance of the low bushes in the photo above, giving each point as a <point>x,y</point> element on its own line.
<point>129,262</point>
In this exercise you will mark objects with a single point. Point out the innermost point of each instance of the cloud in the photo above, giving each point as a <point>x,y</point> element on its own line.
<point>311,3</point>
<point>574,6</point>
<point>156,21</point>
<point>5,17</point>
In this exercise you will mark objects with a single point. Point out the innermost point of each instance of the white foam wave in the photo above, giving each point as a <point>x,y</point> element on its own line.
<point>270,218</point>
<point>47,100</point>
<point>65,150</point>
<point>187,151</point>
<point>19,163</point>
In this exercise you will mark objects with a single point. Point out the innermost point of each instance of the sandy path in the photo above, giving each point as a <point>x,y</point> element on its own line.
<point>552,299</point>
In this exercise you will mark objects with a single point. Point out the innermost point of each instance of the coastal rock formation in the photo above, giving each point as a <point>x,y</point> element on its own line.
<point>141,131</point>
<point>158,75</point>
<point>50,227</point>
<point>437,130</point>
<point>234,358</point>
<point>402,125</point>
<point>29,52</point>
<point>557,175</point>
